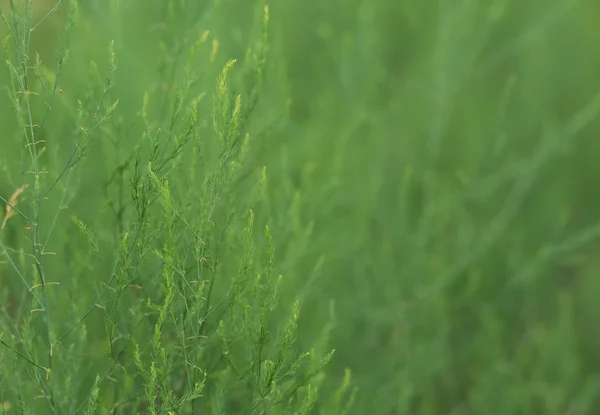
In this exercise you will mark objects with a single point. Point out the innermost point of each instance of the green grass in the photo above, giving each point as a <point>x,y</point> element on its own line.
<point>339,207</point>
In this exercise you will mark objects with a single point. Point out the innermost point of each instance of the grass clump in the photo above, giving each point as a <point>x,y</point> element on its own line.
<point>306,207</point>
<point>168,261</point>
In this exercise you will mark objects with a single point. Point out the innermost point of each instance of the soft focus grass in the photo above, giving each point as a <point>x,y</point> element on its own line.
<point>432,173</point>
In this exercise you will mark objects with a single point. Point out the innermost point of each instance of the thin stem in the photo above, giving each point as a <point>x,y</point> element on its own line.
<point>58,210</point>
<point>52,10</point>
<point>22,277</point>
<point>13,207</point>
<point>8,346</point>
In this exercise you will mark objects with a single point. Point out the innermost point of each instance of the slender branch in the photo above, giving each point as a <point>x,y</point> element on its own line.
<point>13,207</point>
<point>8,346</point>
<point>22,277</point>
<point>52,10</point>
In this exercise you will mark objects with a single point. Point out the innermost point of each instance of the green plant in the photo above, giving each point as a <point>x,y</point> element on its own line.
<point>167,260</point>
<point>420,174</point>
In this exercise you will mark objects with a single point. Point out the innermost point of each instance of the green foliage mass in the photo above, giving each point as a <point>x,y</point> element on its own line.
<point>300,207</point>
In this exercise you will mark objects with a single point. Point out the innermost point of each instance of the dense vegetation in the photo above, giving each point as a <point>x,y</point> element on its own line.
<point>333,207</point>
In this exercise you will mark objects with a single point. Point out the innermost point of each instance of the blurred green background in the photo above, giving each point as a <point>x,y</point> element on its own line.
<point>433,176</point>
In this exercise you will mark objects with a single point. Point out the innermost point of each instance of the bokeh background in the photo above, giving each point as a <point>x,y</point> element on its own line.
<point>433,182</point>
